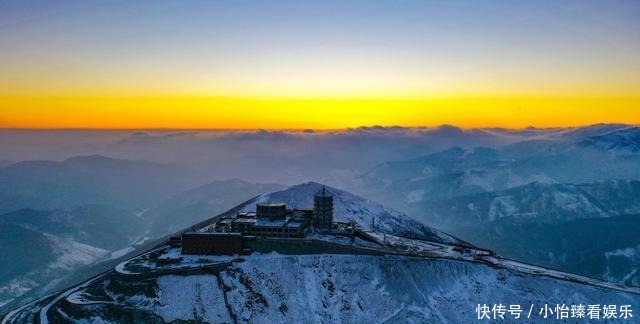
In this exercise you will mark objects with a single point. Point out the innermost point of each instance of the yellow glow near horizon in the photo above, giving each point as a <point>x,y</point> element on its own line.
<point>118,112</point>
<point>318,64</point>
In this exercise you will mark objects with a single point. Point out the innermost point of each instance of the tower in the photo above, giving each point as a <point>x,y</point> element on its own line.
<point>323,209</point>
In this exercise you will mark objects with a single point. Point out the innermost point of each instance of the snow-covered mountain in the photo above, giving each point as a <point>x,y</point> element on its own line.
<point>623,265</point>
<point>400,280</point>
<point>39,246</point>
<point>542,203</point>
<point>39,259</point>
<point>348,207</point>
<point>583,228</point>
<point>277,288</point>
<point>624,141</point>
<point>590,154</point>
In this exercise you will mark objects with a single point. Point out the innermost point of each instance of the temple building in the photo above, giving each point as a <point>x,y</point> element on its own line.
<point>323,209</point>
<point>270,220</point>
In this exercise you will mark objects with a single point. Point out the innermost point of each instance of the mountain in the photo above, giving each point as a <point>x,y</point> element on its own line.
<point>195,205</point>
<point>134,185</point>
<point>541,203</point>
<point>444,175</point>
<point>102,226</point>
<point>319,289</point>
<point>603,248</point>
<point>592,154</point>
<point>625,141</point>
<point>580,133</point>
<point>87,234</point>
<point>35,259</point>
<point>523,199</point>
<point>38,247</point>
<point>590,229</point>
<point>387,278</point>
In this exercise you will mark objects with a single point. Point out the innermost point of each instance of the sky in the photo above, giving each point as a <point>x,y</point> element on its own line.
<point>318,64</point>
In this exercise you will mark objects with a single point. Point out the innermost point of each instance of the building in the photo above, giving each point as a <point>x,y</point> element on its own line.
<point>273,219</point>
<point>293,224</point>
<point>212,243</point>
<point>270,220</point>
<point>272,211</point>
<point>323,209</point>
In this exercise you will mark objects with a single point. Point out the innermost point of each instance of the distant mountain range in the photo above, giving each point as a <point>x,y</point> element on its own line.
<point>622,141</point>
<point>541,203</point>
<point>523,199</point>
<point>134,185</point>
<point>459,172</point>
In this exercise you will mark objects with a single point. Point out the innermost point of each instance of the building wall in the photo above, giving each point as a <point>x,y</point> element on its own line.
<point>323,210</point>
<point>211,243</point>
<point>271,211</point>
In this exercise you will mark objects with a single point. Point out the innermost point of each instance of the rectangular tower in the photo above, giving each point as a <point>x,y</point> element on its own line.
<point>323,209</point>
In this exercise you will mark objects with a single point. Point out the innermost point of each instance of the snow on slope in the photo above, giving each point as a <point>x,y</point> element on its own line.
<point>625,141</point>
<point>275,288</point>
<point>361,289</point>
<point>543,202</point>
<point>623,265</point>
<point>71,254</point>
<point>191,297</point>
<point>348,207</point>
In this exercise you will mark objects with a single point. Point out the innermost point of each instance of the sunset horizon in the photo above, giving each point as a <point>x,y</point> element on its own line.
<point>215,113</point>
<point>318,65</point>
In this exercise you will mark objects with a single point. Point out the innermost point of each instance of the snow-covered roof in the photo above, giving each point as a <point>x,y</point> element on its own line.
<point>294,224</point>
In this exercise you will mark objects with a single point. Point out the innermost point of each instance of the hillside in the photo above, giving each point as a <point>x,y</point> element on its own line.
<point>41,246</point>
<point>541,203</point>
<point>194,205</point>
<point>590,229</point>
<point>385,278</point>
<point>321,289</point>
<point>88,234</point>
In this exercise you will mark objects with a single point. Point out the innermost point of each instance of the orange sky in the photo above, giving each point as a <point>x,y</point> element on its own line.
<point>119,112</point>
<point>318,64</point>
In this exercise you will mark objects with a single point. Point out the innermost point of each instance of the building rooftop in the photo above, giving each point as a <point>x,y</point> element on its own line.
<point>272,204</point>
